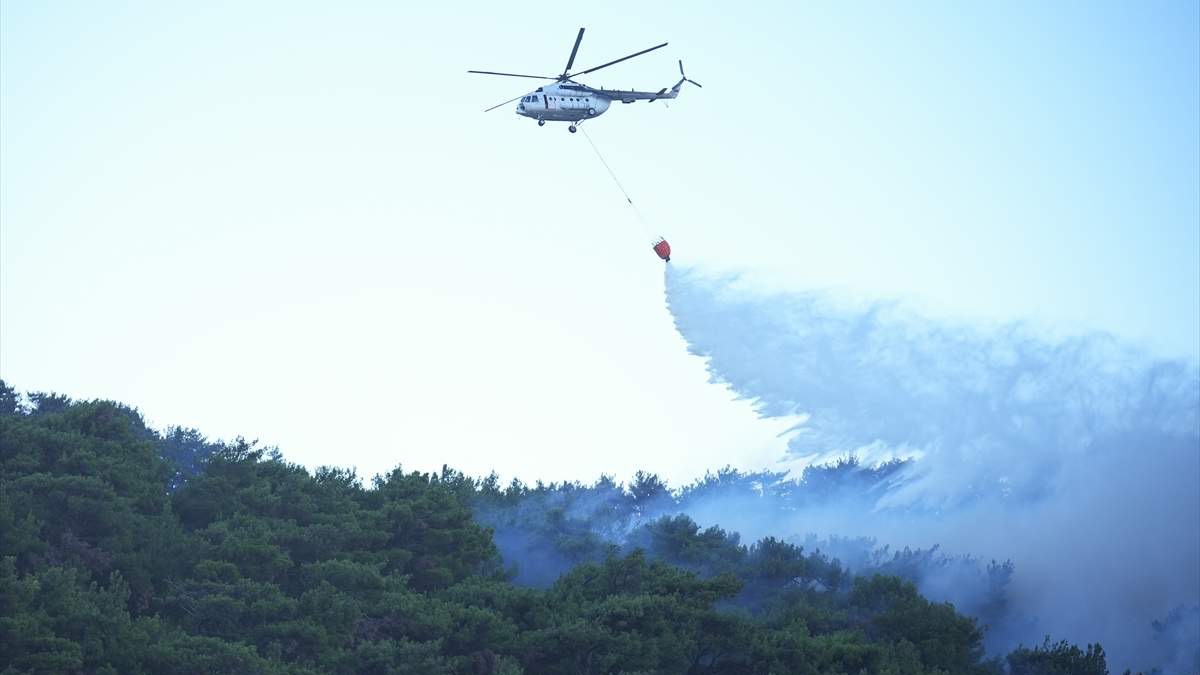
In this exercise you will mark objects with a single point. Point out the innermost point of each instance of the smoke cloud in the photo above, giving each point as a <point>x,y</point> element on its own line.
<point>1077,459</point>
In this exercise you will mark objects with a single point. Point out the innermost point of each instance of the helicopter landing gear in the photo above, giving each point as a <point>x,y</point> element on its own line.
<point>541,123</point>
<point>571,128</point>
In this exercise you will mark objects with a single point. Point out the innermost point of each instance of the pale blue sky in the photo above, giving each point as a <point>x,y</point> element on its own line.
<point>293,222</point>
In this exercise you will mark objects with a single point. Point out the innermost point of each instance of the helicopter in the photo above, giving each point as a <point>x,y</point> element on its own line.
<point>569,101</point>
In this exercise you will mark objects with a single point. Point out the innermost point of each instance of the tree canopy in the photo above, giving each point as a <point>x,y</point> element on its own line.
<point>123,550</point>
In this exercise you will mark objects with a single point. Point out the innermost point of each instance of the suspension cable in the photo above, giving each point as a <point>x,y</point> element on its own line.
<point>606,166</point>
<point>636,211</point>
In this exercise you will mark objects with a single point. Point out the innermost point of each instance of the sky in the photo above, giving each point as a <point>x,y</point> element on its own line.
<point>293,222</point>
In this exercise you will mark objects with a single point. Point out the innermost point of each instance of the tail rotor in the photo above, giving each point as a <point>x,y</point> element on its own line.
<point>685,77</point>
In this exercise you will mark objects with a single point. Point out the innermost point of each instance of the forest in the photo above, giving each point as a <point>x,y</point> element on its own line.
<point>129,550</point>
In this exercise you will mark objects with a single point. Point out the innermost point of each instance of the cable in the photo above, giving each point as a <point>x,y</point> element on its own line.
<point>610,171</point>
<point>636,211</point>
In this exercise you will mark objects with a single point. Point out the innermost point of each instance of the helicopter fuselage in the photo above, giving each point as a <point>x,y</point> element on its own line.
<point>566,103</point>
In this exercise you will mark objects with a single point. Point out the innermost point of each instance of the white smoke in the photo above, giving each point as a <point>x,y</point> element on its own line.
<point>1078,459</point>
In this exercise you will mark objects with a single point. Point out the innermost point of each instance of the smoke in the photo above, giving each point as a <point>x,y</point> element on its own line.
<point>1077,459</point>
<point>1175,640</point>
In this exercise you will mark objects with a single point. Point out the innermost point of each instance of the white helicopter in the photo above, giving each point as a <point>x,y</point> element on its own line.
<point>569,101</point>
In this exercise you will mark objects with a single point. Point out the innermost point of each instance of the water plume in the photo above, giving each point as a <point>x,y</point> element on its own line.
<point>1076,458</point>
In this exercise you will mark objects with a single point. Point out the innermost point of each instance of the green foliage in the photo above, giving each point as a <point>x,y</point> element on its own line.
<point>82,485</point>
<point>895,613</point>
<point>1060,658</point>
<point>10,400</point>
<point>122,551</point>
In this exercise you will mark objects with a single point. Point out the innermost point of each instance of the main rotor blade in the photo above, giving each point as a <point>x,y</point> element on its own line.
<point>571,61</point>
<point>625,58</point>
<point>490,72</point>
<point>505,103</point>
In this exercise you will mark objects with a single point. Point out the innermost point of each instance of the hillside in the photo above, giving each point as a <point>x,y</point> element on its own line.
<point>125,550</point>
